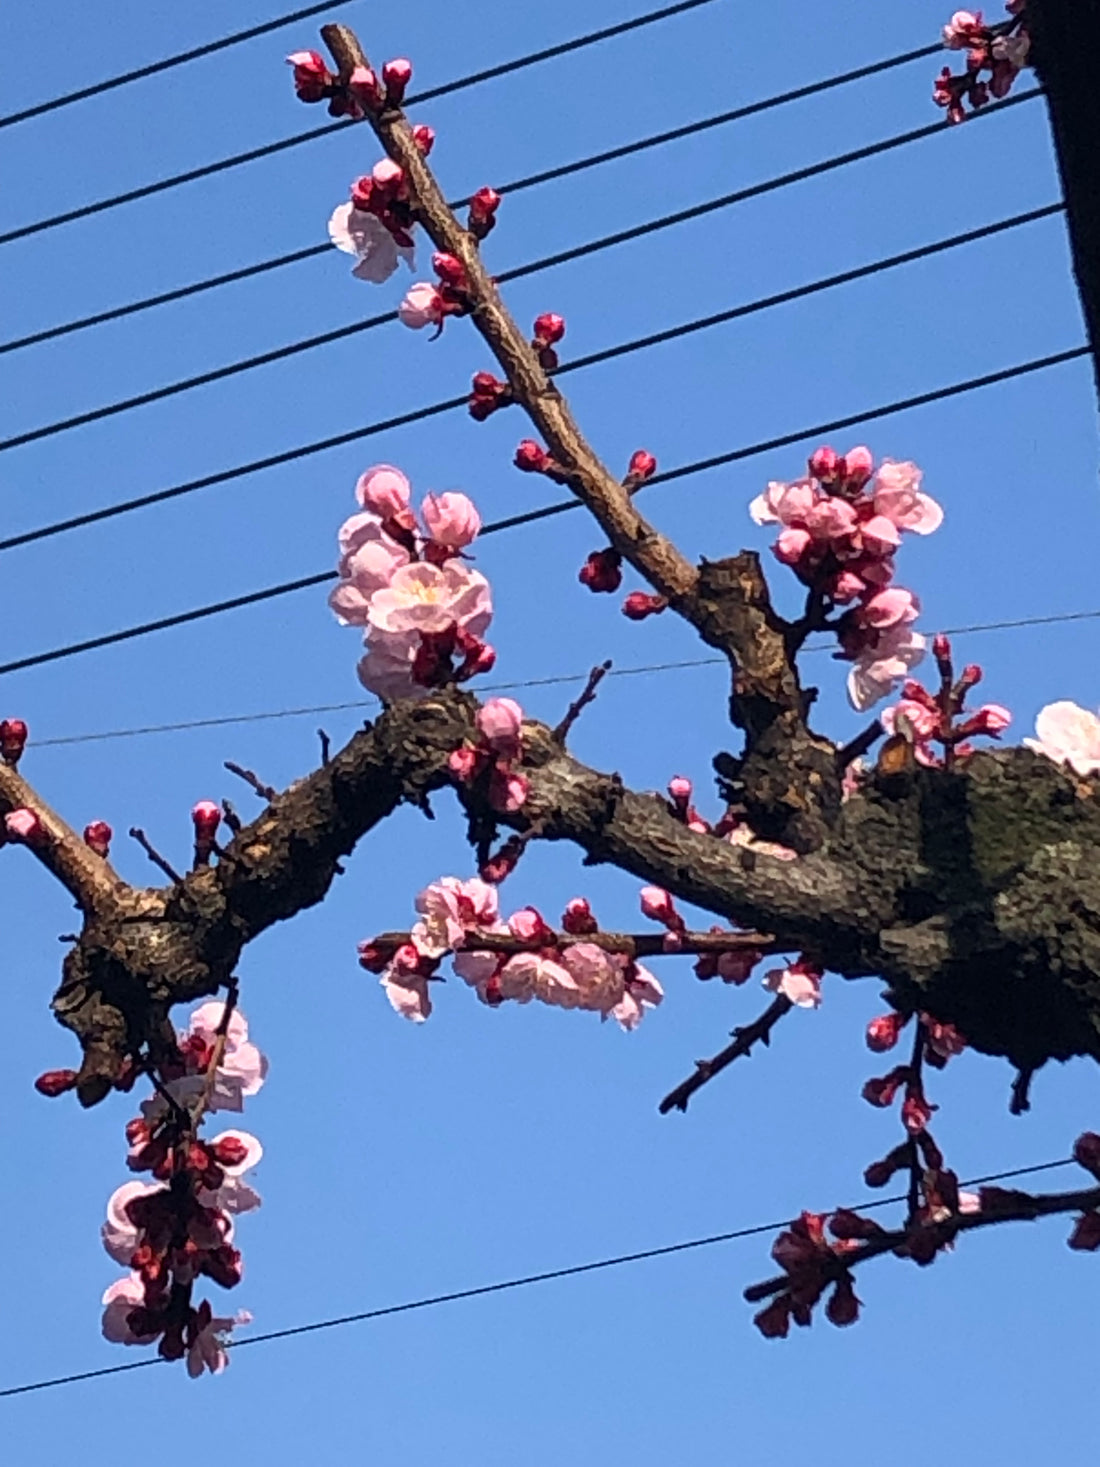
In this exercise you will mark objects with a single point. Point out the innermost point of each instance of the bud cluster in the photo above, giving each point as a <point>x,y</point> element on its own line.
<point>1001,51</point>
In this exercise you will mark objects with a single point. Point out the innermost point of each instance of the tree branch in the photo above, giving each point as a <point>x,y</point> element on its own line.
<point>743,1040</point>
<point>726,601</point>
<point>630,944</point>
<point>90,879</point>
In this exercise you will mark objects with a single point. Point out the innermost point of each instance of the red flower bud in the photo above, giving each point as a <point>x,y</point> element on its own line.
<point>843,1306</point>
<point>882,1032</point>
<point>774,1322</point>
<point>577,918</point>
<point>450,270</point>
<point>679,792</point>
<point>970,676</point>
<point>312,77</point>
<point>1086,1233</point>
<point>824,464</point>
<point>549,329</point>
<point>487,394</point>
<point>848,1225</point>
<point>363,86</point>
<point>55,1082</point>
<point>206,817</point>
<point>13,740</point>
<point>397,75</point>
<point>881,1091</point>
<point>640,604</point>
<point>424,138</point>
<point>483,209</point>
<point>602,571</point>
<point>531,458</point>
<point>642,465</point>
<point>916,1112</point>
<point>941,648</point>
<point>1086,1152</point>
<point>98,837</point>
<point>361,191</point>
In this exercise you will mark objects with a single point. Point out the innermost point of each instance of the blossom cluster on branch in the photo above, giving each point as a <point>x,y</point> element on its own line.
<point>995,56</point>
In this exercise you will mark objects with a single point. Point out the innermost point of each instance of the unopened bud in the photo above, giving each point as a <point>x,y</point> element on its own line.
<point>856,466</point>
<point>397,75</point>
<point>388,176</point>
<point>361,191</point>
<point>55,1082</point>
<point>577,919</point>
<point>843,1306</point>
<point>1086,1152</point>
<point>602,571</point>
<point>450,270</point>
<point>640,604</point>
<point>13,740</point>
<point>824,463</point>
<point>24,826</point>
<point>1086,1234</point>
<point>531,458</point>
<point>883,1032</point>
<point>970,676</point>
<point>205,817</point>
<point>483,209</point>
<point>373,957</point>
<point>312,77</point>
<point>941,647</point>
<point>424,138</point>
<point>548,329</point>
<point>642,466</point>
<point>98,837</point>
<point>679,792</point>
<point>364,87</point>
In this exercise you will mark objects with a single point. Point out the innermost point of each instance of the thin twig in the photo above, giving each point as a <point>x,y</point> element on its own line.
<point>577,707</point>
<point>743,1040</point>
<point>326,745</point>
<point>232,819</point>
<point>154,855</point>
<point>265,791</point>
<point>1021,1092</point>
<point>858,746</point>
<point>217,1054</point>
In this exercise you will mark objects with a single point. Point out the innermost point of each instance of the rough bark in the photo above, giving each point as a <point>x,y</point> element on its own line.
<point>1065,50</point>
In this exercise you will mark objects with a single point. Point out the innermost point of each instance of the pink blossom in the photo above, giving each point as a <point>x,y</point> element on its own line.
<point>428,598</point>
<point>658,906</point>
<point>891,607</point>
<point>243,1068</point>
<point>791,545</point>
<point>121,1299</point>
<point>799,981</point>
<point>1068,734</point>
<point>207,1348</point>
<point>847,587</point>
<point>508,791</point>
<point>990,718</point>
<point>541,976</point>
<point>478,969</point>
<point>235,1195</point>
<point>880,535</point>
<point>363,235</point>
<point>450,519</point>
<point>383,489</point>
<point>422,306</point>
<point>924,720</point>
<point>642,992</point>
<point>783,503</point>
<point>597,974</point>
<point>881,665</point>
<point>386,670</point>
<point>407,993</point>
<point>857,465</point>
<point>450,908</point>
<point>119,1234</point>
<point>898,497</point>
<point>830,519</point>
<point>529,925</point>
<point>500,723</point>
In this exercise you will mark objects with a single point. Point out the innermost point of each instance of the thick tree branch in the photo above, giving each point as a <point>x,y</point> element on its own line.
<point>1065,48</point>
<point>726,601</point>
<point>90,879</point>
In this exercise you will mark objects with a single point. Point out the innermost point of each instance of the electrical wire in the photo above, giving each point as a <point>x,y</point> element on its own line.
<point>557,680</point>
<point>154,68</point>
<point>547,262</point>
<point>266,150</point>
<point>547,175</point>
<point>369,430</point>
<point>506,1285</point>
<point>252,598</point>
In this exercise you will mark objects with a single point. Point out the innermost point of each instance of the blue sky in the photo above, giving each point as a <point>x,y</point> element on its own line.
<point>402,1161</point>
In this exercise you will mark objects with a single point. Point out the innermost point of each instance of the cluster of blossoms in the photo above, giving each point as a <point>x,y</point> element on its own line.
<point>1000,50</point>
<point>178,1228</point>
<point>490,762</point>
<point>563,970</point>
<point>841,528</point>
<point>404,582</point>
<point>924,719</point>
<point>363,93</point>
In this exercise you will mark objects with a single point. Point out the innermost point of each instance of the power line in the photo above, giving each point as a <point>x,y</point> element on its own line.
<point>252,155</point>
<point>557,680</point>
<point>575,252</point>
<point>505,1285</point>
<point>547,175</point>
<point>672,333</point>
<point>154,68</point>
<point>735,455</point>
